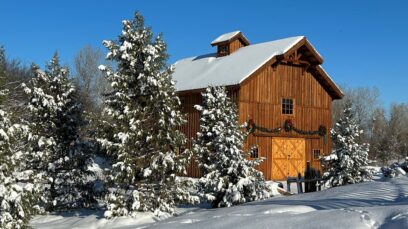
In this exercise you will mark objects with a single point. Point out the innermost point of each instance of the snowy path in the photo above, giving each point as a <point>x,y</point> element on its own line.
<point>378,204</point>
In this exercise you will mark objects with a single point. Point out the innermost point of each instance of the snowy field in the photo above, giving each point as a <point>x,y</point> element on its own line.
<point>377,204</point>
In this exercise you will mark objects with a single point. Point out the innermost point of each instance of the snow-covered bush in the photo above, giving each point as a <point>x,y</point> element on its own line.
<point>229,178</point>
<point>56,152</point>
<point>17,200</point>
<point>141,133</point>
<point>348,161</point>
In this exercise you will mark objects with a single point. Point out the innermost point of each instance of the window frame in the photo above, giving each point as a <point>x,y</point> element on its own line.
<point>313,154</point>
<point>252,153</point>
<point>293,106</point>
<point>223,52</point>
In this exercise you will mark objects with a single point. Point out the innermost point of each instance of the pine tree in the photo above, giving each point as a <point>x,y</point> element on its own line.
<point>143,139</point>
<point>56,153</point>
<point>17,200</point>
<point>348,161</point>
<point>229,178</point>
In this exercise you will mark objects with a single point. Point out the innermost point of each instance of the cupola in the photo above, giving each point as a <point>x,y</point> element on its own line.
<point>229,42</point>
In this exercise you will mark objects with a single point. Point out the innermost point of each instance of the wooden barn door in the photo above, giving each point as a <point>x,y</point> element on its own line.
<point>288,157</point>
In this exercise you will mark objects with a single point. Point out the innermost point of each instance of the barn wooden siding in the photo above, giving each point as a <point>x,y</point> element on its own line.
<point>192,126</point>
<point>235,45</point>
<point>260,100</point>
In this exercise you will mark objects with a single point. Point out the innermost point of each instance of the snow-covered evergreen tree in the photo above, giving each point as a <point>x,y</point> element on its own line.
<point>348,161</point>
<point>229,178</point>
<point>56,152</point>
<point>17,200</point>
<point>143,119</point>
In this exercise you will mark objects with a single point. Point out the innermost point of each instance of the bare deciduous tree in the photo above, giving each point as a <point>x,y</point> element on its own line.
<point>379,140</point>
<point>90,80</point>
<point>365,101</point>
<point>398,130</point>
<point>12,74</point>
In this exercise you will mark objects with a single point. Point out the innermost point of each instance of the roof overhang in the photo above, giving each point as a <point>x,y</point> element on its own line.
<point>326,81</point>
<point>313,56</point>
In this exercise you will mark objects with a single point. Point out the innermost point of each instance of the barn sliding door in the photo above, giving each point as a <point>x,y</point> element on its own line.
<point>288,157</point>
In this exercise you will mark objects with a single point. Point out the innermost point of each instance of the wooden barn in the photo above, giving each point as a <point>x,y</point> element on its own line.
<point>281,91</point>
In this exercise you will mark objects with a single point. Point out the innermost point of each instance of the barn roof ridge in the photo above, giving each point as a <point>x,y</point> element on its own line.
<point>198,72</point>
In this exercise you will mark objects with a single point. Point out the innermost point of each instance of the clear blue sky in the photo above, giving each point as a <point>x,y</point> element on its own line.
<point>364,42</point>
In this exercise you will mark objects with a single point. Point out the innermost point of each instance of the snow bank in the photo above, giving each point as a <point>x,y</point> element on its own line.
<point>377,204</point>
<point>366,205</point>
<point>88,219</point>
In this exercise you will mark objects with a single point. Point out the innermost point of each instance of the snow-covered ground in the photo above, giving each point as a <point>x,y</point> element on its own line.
<point>377,204</point>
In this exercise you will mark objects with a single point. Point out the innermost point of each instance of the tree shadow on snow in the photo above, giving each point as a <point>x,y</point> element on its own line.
<point>81,213</point>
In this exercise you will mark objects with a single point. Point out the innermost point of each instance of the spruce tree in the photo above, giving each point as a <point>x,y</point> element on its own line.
<point>17,200</point>
<point>348,161</point>
<point>57,154</point>
<point>229,178</point>
<point>143,119</point>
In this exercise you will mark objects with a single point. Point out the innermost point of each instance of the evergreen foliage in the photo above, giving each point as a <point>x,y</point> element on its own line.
<point>56,153</point>
<point>229,178</point>
<point>142,123</point>
<point>348,161</point>
<point>17,200</point>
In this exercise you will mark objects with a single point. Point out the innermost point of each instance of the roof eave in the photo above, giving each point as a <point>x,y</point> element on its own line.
<point>199,90</point>
<point>334,90</point>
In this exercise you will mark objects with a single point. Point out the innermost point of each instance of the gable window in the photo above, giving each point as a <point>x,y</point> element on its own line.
<point>316,154</point>
<point>254,152</point>
<point>223,50</point>
<point>287,106</point>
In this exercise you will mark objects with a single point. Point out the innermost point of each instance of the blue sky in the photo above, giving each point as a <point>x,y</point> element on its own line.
<point>364,43</point>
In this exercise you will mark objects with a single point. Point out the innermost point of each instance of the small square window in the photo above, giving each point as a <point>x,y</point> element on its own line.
<point>316,154</point>
<point>287,106</point>
<point>254,152</point>
<point>223,49</point>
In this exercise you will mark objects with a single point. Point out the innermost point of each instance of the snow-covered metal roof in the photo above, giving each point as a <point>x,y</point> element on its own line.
<point>201,71</point>
<point>225,37</point>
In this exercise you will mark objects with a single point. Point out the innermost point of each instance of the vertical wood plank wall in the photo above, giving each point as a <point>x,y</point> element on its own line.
<point>235,45</point>
<point>259,98</point>
<point>192,126</point>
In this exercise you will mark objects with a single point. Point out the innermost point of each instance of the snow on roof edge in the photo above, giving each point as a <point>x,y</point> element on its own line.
<point>321,67</point>
<point>268,59</point>
<point>314,49</point>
